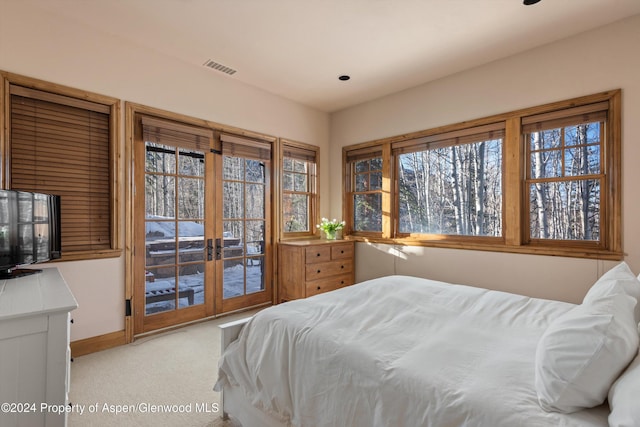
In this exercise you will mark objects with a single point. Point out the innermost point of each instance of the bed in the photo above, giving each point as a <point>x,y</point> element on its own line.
<point>405,351</point>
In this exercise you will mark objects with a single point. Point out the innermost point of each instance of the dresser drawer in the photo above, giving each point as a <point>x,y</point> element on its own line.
<point>325,285</point>
<point>315,254</point>
<point>311,267</point>
<point>342,251</point>
<point>324,269</point>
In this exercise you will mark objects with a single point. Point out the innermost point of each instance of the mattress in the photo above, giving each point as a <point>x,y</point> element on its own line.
<point>398,351</point>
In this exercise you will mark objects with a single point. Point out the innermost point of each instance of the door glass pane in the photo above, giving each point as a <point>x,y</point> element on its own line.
<point>175,247</point>
<point>160,200</point>
<point>191,285</point>
<point>244,212</point>
<point>160,158</point>
<point>233,200</point>
<point>233,239</point>
<point>191,200</point>
<point>160,241</point>
<point>232,168</point>
<point>255,274</point>
<point>191,241</point>
<point>255,237</point>
<point>255,201</point>
<point>255,171</point>
<point>233,278</point>
<point>191,163</point>
<point>160,289</point>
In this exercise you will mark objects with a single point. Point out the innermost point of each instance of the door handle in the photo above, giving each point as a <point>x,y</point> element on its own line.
<point>209,249</point>
<point>218,249</point>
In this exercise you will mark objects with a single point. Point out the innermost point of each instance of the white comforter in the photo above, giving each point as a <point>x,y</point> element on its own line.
<point>398,351</point>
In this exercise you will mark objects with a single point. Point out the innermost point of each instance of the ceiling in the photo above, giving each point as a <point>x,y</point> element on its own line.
<point>297,48</point>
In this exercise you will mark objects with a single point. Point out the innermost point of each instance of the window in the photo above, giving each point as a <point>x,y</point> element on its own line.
<point>365,190</point>
<point>299,189</point>
<point>565,174</point>
<point>543,180</point>
<point>64,145</point>
<point>451,183</point>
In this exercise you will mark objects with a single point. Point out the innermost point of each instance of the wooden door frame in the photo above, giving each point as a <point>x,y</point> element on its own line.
<point>130,110</point>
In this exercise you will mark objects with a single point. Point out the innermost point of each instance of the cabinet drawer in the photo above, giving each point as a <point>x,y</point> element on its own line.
<point>342,251</point>
<point>315,254</point>
<point>322,270</point>
<point>325,285</point>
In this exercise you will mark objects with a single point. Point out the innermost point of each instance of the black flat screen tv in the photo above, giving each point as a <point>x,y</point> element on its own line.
<point>29,231</point>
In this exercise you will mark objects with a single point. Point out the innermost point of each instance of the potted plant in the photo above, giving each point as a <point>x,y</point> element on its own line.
<point>330,227</point>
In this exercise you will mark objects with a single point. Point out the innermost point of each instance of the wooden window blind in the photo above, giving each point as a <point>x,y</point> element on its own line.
<point>176,134</point>
<point>61,145</point>
<point>448,139</point>
<point>298,153</point>
<point>244,147</point>
<point>567,117</point>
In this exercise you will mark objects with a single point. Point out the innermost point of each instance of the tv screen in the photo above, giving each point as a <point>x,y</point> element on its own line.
<point>29,230</point>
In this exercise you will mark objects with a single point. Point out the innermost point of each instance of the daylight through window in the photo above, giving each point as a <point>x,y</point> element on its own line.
<point>299,188</point>
<point>451,184</point>
<point>543,180</point>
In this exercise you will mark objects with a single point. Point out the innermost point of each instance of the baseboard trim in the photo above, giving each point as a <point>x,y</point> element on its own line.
<point>97,343</point>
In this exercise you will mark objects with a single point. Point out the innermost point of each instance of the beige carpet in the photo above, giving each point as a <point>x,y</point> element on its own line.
<point>160,380</point>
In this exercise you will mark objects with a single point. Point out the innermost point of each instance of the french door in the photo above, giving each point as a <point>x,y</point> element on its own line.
<point>201,224</point>
<point>245,221</point>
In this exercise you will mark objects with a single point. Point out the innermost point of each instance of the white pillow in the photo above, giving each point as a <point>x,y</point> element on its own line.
<point>583,351</point>
<point>623,397</point>
<point>620,279</point>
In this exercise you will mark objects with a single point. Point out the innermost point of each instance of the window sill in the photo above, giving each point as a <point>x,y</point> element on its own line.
<point>571,252</point>
<point>86,255</point>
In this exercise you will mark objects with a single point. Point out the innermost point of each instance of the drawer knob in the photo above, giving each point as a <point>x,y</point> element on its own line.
<point>341,252</point>
<point>318,287</point>
<point>318,254</point>
<point>342,282</point>
<point>318,271</point>
<point>342,266</point>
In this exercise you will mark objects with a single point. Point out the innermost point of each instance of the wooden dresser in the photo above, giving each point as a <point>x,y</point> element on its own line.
<point>310,267</point>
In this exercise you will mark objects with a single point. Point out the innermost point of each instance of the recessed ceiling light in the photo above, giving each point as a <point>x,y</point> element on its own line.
<point>530,2</point>
<point>344,77</point>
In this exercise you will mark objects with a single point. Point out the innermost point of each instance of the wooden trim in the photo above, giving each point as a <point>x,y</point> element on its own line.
<point>577,252</point>
<point>589,110</point>
<point>5,99</point>
<point>144,109</point>
<point>42,85</point>
<point>132,327</point>
<point>129,197</point>
<point>388,196</point>
<point>515,219</point>
<point>614,201</point>
<point>98,343</point>
<point>314,199</point>
<point>82,99</point>
<point>447,139</point>
<point>58,99</point>
<point>558,105</point>
<point>512,183</point>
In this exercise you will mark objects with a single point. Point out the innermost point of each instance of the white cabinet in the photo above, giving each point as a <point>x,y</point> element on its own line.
<point>34,349</point>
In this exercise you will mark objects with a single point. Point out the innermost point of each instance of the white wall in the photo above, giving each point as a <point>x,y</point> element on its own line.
<point>599,60</point>
<point>72,54</point>
<point>50,48</point>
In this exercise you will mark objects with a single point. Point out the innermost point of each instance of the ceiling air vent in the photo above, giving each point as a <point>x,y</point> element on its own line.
<point>219,67</point>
